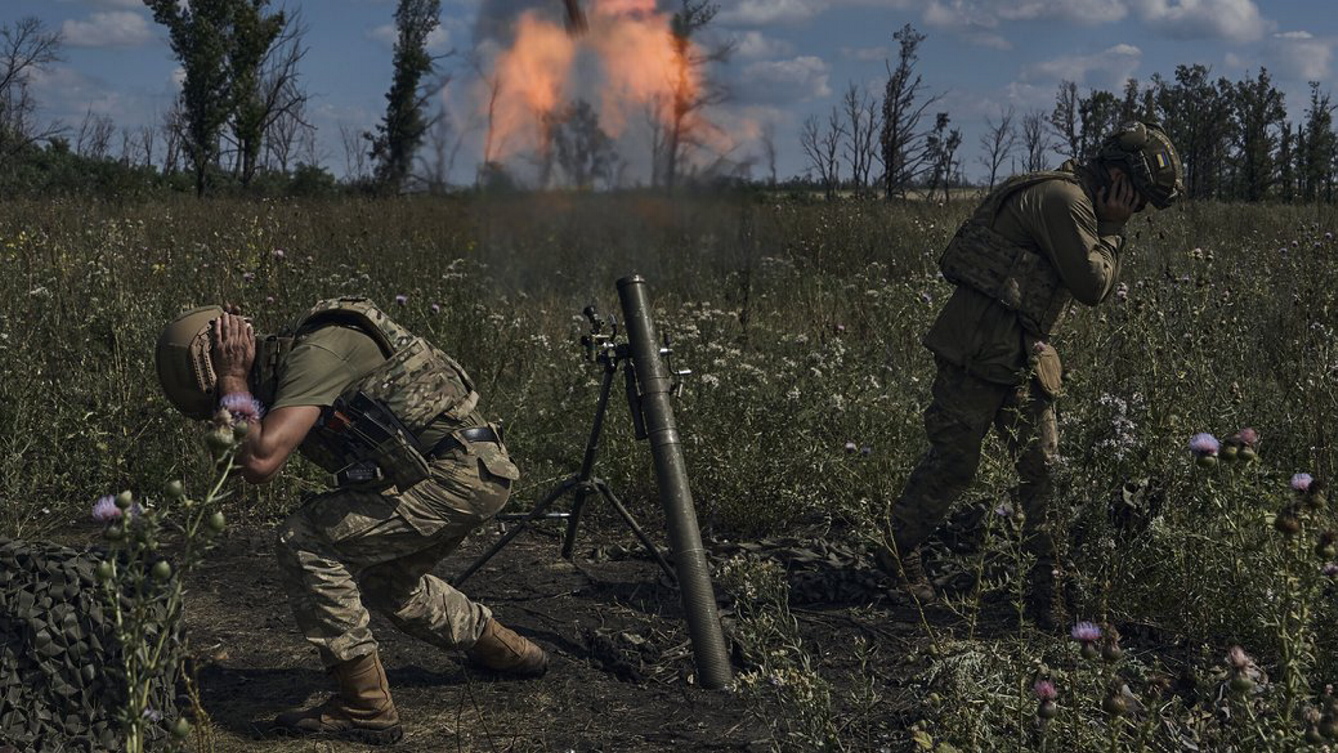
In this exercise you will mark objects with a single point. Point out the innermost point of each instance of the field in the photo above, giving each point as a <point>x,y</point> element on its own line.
<point>800,321</point>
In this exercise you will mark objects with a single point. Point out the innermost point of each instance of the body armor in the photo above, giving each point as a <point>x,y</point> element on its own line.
<point>370,436</point>
<point>1018,277</point>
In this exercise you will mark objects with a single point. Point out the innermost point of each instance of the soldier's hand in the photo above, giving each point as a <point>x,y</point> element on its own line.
<point>1119,201</point>
<point>234,346</point>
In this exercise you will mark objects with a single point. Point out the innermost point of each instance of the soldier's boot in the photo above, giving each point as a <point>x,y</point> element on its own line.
<point>909,573</point>
<point>361,710</point>
<point>1045,599</point>
<point>500,649</point>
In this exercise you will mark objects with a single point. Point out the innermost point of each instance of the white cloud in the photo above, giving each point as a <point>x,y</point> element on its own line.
<point>767,12</point>
<point>1235,20</point>
<point>969,20</point>
<point>124,4</point>
<point>110,29</point>
<point>867,54</point>
<point>1112,66</point>
<point>1302,55</point>
<point>752,45</point>
<point>1086,12</point>
<point>784,81</point>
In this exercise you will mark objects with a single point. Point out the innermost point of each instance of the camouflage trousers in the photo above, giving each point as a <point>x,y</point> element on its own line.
<point>963,409</point>
<point>347,550</point>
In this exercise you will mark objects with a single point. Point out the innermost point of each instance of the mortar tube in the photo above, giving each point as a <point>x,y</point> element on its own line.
<point>694,579</point>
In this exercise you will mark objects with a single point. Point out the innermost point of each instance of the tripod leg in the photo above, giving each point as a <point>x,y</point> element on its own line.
<point>636,527</point>
<point>574,519</point>
<point>538,510</point>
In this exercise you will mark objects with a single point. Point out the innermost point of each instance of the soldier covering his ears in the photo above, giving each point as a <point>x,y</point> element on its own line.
<point>1034,245</point>
<point>415,466</point>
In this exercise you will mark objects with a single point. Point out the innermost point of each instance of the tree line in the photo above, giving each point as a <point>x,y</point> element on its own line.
<point>241,123</point>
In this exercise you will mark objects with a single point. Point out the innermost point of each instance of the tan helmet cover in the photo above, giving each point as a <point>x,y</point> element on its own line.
<point>184,367</point>
<point>1147,154</point>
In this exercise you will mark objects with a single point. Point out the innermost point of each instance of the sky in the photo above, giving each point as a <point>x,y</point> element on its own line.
<point>791,59</point>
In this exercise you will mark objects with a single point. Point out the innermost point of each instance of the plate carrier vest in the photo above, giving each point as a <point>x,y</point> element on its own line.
<point>1018,277</point>
<point>370,436</point>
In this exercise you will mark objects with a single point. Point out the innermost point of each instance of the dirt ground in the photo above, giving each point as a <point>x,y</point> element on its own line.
<point>622,673</point>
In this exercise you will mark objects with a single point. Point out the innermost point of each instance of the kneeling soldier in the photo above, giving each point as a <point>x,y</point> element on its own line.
<point>415,467</point>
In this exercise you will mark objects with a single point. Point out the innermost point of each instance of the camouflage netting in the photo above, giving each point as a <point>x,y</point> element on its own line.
<point>60,681</point>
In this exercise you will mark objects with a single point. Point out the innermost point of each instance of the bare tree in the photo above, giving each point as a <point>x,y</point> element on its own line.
<point>942,144</point>
<point>173,129</point>
<point>93,139</point>
<point>861,114</point>
<point>356,157</point>
<point>998,142</point>
<point>281,101</point>
<point>690,90</point>
<point>1035,141</point>
<point>1066,120</point>
<point>768,138</point>
<point>904,156</point>
<point>584,151</point>
<point>822,147</point>
<point>147,141</point>
<point>441,144</point>
<point>25,48</point>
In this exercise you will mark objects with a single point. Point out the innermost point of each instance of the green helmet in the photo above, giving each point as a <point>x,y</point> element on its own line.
<point>1146,153</point>
<point>184,367</point>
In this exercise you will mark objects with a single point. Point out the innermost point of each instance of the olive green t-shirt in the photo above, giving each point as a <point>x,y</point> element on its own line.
<point>324,362</point>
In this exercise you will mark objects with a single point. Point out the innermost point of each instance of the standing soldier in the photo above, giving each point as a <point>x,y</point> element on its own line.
<point>1034,245</point>
<point>416,468</point>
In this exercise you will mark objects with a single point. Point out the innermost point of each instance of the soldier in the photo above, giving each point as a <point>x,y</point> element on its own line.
<point>1035,244</point>
<point>416,468</point>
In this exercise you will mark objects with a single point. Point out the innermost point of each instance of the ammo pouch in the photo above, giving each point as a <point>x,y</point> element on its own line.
<point>381,451</point>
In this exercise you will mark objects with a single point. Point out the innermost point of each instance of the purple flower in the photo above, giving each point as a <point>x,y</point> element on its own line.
<point>1204,444</point>
<point>1301,482</point>
<point>839,328</point>
<point>269,299</point>
<point>1085,632</point>
<point>1122,292</point>
<point>435,308</point>
<point>851,447</point>
<point>1045,690</point>
<point>105,509</point>
<point>1004,510</point>
<point>1331,570</point>
<point>248,276</point>
<point>1237,657</point>
<point>401,299</point>
<point>866,450</point>
<point>1039,347</point>
<point>1249,437</point>
<point>278,254</point>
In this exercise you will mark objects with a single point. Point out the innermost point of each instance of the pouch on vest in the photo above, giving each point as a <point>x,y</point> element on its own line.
<point>1049,371</point>
<point>386,451</point>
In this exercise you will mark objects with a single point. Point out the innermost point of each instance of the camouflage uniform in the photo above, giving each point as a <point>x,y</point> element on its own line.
<point>995,367</point>
<point>356,547</point>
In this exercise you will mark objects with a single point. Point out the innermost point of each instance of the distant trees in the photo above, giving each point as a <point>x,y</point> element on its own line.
<point>903,151</point>
<point>998,142</point>
<point>26,47</point>
<point>401,130</point>
<point>676,117</point>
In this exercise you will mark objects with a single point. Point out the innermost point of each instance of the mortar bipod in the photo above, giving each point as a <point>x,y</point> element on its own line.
<point>601,347</point>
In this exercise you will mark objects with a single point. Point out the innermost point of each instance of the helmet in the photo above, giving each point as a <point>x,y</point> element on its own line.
<point>184,368</point>
<point>1146,153</point>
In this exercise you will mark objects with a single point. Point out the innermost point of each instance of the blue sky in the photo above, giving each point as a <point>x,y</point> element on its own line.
<point>793,58</point>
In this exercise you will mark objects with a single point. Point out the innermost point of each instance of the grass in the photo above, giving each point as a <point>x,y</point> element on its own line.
<point>801,322</point>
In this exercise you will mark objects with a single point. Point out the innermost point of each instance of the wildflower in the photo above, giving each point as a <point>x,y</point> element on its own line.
<point>248,276</point>
<point>1122,292</point>
<point>1004,510</point>
<point>278,254</point>
<point>1330,570</point>
<point>105,509</point>
<point>866,450</point>
<point>401,299</point>
<point>269,300</point>
<point>851,447</point>
<point>435,308</point>
<point>1045,690</point>
<point>1205,447</point>
<point>1087,634</point>
<point>1301,482</point>
<point>840,328</point>
<point>1237,658</point>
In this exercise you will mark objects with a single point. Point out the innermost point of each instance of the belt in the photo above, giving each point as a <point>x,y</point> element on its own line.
<point>472,434</point>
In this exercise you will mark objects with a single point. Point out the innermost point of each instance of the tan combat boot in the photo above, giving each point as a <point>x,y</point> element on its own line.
<point>500,649</point>
<point>361,710</point>
<point>908,572</point>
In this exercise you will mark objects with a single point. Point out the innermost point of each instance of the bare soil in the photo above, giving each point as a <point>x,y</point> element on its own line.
<point>622,676</point>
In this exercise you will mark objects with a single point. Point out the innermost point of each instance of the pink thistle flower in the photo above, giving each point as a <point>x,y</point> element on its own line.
<point>1237,658</point>
<point>1301,482</point>
<point>1045,690</point>
<point>435,308</point>
<point>1249,437</point>
<point>1330,570</point>
<point>1086,632</point>
<point>1204,444</point>
<point>105,509</point>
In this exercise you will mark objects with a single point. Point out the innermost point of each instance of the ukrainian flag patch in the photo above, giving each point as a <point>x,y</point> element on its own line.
<point>1163,161</point>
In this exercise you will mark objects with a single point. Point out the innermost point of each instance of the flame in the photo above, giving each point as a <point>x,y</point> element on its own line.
<point>640,66</point>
